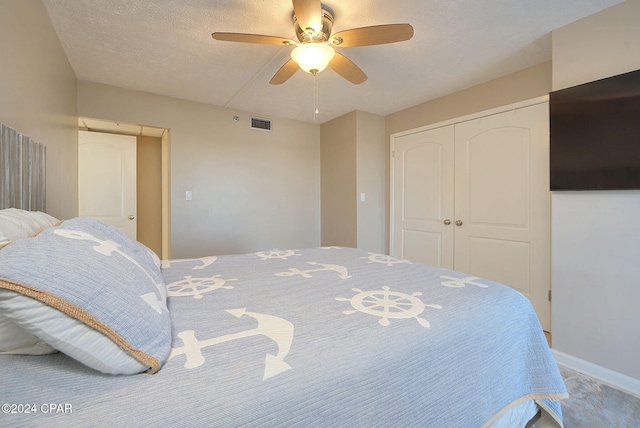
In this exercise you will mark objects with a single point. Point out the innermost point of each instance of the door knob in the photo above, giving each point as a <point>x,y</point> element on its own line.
<point>447,222</point>
<point>458,222</point>
<point>132,217</point>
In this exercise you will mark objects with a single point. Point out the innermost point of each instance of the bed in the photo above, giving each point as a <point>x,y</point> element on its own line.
<point>313,337</point>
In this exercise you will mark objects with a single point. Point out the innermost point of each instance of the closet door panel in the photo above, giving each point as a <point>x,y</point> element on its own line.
<point>497,177</point>
<point>503,201</point>
<point>507,262</point>
<point>423,197</point>
<point>422,246</point>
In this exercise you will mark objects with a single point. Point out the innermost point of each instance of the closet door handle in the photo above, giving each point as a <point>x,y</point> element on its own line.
<point>458,222</point>
<point>447,222</point>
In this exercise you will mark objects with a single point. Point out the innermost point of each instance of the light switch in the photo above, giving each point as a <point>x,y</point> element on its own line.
<point>362,197</point>
<point>188,195</point>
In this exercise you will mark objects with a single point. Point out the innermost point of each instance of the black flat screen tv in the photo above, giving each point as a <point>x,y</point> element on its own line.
<point>595,135</point>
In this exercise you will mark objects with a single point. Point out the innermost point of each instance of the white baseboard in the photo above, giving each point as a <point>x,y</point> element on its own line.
<point>610,377</point>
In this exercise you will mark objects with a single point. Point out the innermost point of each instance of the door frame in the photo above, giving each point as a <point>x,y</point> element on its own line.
<point>113,127</point>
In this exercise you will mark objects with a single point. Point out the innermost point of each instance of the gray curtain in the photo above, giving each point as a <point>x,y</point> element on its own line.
<point>22,174</point>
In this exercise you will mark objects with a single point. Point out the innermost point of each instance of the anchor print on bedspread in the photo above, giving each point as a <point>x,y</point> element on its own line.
<point>107,248</point>
<point>277,329</point>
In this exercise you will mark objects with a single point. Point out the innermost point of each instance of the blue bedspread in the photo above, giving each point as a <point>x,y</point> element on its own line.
<point>311,338</point>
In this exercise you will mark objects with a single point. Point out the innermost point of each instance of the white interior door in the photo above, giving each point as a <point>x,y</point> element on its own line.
<point>423,177</point>
<point>107,179</point>
<point>503,203</point>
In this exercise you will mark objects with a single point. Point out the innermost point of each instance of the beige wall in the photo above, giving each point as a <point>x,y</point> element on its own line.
<point>598,46</point>
<point>252,190</point>
<point>149,192</point>
<point>529,83</point>
<point>596,234</point>
<point>338,178</point>
<point>38,96</point>
<point>352,163</point>
<point>370,167</point>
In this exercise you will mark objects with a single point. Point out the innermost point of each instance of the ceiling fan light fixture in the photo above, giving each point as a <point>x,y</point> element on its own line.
<point>313,57</point>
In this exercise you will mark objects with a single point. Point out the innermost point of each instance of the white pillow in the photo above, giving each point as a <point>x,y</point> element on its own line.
<point>74,338</point>
<point>16,340</point>
<point>16,223</point>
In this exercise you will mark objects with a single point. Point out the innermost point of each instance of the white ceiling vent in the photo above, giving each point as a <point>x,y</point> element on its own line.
<point>260,124</point>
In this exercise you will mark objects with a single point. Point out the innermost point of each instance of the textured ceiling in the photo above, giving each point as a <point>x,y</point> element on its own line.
<point>165,47</point>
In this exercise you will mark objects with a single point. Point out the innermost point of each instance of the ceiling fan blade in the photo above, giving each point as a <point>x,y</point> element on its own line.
<point>374,35</point>
<point>308,13</point>
<point>252,38</point>
<point>286,71</point>
<point>347,69</point>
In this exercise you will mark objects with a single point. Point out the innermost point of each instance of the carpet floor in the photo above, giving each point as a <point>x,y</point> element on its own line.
<point>592,404</point>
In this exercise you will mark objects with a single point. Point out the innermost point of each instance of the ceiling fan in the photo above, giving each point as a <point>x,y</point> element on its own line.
<point>314,51</point>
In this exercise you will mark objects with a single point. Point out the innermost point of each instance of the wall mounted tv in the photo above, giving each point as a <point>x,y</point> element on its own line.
<point>595,135</point>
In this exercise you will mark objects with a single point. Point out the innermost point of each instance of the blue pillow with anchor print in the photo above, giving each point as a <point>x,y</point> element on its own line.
<point>88,290</point>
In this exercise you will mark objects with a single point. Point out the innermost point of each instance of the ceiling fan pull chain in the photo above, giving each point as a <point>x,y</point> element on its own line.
<point>315,96</point>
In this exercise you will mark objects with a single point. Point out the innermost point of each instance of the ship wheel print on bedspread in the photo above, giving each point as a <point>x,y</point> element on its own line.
<point>276,254</point>
<point>196,287</point>
<point>388,304</point>
<point>385,259</point>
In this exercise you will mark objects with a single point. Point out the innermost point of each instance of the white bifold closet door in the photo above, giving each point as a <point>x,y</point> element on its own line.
<point>473,196</point>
